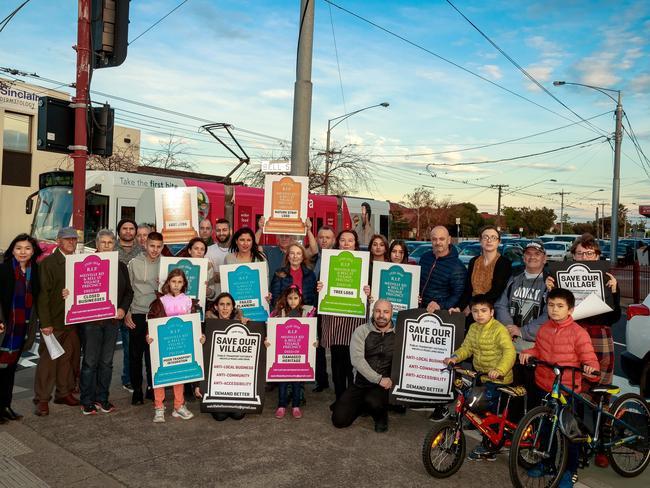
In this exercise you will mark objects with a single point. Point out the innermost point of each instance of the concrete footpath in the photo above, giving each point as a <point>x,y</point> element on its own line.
<point>124,448</point>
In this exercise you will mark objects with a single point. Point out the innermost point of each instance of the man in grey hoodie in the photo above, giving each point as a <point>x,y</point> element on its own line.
<point>371,353</point>
<point>144,270</point>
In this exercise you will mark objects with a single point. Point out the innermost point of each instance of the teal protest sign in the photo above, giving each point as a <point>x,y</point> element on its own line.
<point>397,283</point>
<point>176,350</point>
<point>248,284</point>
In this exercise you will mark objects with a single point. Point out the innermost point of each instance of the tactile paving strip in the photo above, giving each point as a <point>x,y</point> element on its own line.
<point>10,446</point>
<point>13,474</point>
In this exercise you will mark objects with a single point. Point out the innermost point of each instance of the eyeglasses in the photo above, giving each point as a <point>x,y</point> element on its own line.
<point>586,254</point>
<point>490,238</point>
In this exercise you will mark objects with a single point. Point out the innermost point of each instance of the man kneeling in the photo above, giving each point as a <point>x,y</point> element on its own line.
<point>371,353</point>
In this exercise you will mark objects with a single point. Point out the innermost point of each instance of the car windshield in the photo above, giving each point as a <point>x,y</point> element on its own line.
<point>554,246</point>
<point>471,251</point>
<point>419,251</point>
<point>53,211</point>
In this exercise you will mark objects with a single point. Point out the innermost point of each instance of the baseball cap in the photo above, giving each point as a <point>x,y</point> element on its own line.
<point>67,233</point>
<point>535,245</point>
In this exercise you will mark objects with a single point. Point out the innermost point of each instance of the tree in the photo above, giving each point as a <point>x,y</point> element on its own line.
<point>421,201</point>
<point>538,221</point>
<point>349,171</point>
<point>584,227</point>
<point>171,155</point>
<point>124,158</point>
<point>399,225</point>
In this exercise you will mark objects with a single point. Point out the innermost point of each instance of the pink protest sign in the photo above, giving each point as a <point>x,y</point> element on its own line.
<point>292,353</point>
<point>92,282</point>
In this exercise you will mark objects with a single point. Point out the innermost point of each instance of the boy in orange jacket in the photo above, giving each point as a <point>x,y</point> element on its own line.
<point>563,342</point>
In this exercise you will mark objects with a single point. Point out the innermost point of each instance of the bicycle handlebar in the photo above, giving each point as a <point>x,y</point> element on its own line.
<point>533,361</point>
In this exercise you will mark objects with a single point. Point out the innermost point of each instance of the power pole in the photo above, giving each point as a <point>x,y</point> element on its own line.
<point>500,188</point>
<point>302,92</point>
<point>80,105</point>
<point>562,193</point>
<point>602,204</point>
<point>618,138</point>
<point>597,224</point>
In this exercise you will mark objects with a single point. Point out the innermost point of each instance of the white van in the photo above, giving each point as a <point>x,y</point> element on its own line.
<point>559,237</point>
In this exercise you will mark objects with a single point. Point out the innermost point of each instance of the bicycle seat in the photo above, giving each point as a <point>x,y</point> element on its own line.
<point>513,391</point>
<point>611,389</point>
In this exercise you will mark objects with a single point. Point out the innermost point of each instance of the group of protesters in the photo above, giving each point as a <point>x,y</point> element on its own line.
<point>507,314</point>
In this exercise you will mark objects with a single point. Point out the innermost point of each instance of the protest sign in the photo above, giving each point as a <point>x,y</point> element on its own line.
<point>177,214</point>
<point>291,355</point>
<point>176,351</point>
<point>423,340</point>
<point>285,204</point>
<point>397,283</point>
<point>248,284</point>
<point>235,357</point>
<point>585,279</point>
<point>344,274</point>
<point>92,282</point>
<point>196,272</point>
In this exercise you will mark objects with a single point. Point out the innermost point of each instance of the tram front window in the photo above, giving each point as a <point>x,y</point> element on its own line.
<point>53,211</point>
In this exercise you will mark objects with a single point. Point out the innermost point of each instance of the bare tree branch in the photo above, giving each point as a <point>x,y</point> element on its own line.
<point>172,155</point>
<point>122,159</point>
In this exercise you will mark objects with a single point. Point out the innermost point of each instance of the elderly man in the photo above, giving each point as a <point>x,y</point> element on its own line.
<point>51,308</point>
<point>141,235</point>
<point>371,353</point>
<point>522,306</point>
<point>442,275</point>
<point>99,337</point>
<point>205,232</point>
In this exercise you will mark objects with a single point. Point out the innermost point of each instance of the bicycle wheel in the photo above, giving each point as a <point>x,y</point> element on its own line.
<point>629,459</point>
<point>443,450</point>
<point>536,460</point>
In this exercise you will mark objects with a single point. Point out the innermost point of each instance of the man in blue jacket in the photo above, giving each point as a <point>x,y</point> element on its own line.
<point>442,275</point>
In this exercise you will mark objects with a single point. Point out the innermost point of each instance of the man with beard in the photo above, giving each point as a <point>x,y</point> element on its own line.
<point>205,232</point>
<point>217,252</point>
<point>127,247</point>
<point>371,353</point>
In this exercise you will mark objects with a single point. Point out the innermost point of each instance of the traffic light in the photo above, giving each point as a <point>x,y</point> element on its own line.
<point>100,138</point>
<point>109,32</point>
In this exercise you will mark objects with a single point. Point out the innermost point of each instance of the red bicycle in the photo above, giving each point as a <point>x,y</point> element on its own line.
<point>443,450</point>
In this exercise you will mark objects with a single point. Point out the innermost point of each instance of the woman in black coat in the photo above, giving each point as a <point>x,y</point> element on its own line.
<point>19,288</point>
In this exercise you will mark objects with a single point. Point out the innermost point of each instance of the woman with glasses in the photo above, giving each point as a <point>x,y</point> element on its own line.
<point>489,272</point>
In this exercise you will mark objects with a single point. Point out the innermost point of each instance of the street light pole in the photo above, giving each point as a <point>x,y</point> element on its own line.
<point>616,181</point>
<point>328,152</point>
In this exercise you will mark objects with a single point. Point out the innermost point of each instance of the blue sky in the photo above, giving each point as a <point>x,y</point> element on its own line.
<point>235,62</point>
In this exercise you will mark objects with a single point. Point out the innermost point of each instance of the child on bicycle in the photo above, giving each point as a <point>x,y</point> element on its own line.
<point>489,342</point>
<point>561,341</point>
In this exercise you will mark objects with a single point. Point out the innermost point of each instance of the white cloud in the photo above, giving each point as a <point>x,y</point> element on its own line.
<point>598,70</point>
<point>491,71</point>
<point>541,73</point>
<point>277,94</point>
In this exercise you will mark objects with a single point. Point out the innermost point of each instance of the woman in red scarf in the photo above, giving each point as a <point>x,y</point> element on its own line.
<point>18,292</point>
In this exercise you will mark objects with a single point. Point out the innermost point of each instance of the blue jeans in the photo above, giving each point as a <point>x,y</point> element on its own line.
<point>492,395</point>
<point>97,366</point>
<point>295,394</point>
<point>126,374</point>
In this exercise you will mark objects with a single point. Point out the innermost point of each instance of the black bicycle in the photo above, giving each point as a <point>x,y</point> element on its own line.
<point>539,451</point>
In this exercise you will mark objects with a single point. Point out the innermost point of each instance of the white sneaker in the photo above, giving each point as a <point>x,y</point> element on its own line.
<point>183,413</point>
<point>159,415</point>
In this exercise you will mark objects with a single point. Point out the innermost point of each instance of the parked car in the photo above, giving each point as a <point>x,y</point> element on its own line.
<point>625,252</point>
<point>558,250</point>
<point>418,252</point>
<point>463,244</point>
<point>413,245</point>
<point>635,361</point>
<point>513,252</point>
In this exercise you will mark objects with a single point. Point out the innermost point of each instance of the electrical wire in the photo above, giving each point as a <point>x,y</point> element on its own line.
<point>338,65</point>
<point>4,22</point>
<point>526,73</point>
<point>438,56</point>
<point>159,21</point>
<point>582,144</point>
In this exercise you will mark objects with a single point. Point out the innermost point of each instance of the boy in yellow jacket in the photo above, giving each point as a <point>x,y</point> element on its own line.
<point>489,343</point>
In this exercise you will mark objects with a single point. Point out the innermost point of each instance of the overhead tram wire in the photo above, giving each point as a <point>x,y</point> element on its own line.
<point>159,21</point>
<point>526,73</point>
<point>509,141</point>
<point>438,56</point>
<point>515,158</point>
<point>338,66</point>
<point>4,22</point>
